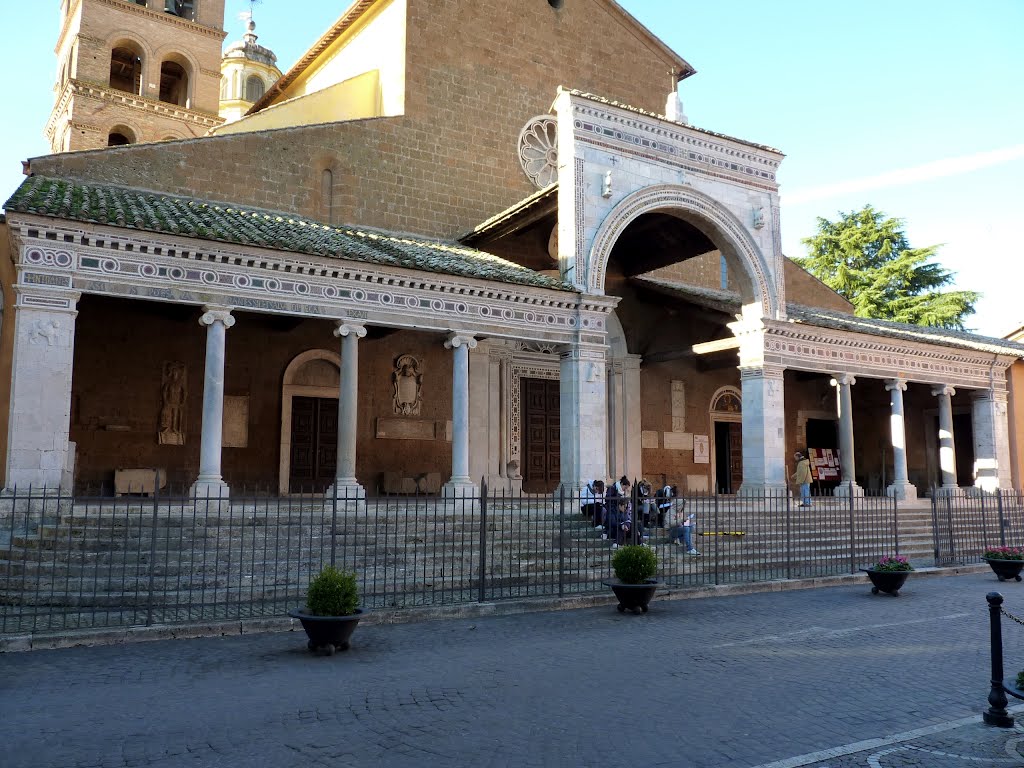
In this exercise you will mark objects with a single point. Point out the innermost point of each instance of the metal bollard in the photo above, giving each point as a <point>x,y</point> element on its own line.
<point>996,714</point>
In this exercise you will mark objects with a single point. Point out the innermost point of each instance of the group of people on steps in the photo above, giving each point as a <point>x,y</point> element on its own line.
<point>610,509</point>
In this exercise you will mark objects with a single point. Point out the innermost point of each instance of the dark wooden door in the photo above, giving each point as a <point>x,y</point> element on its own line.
<point>735,455</point>
<point>728,456</point>
<point>541,450</point>
<point>314,450</point>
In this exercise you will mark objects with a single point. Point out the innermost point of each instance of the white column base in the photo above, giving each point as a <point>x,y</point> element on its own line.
<point>347,494</point>
<point>459,488</point>
<point>210,489</point>
<point>902,491</point>
<point>847,489</point>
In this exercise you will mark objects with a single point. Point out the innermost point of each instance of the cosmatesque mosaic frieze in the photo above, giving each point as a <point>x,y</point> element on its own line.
<point>185,271</point>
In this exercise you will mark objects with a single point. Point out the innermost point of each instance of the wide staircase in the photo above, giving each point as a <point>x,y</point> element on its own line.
<point>118,562</point>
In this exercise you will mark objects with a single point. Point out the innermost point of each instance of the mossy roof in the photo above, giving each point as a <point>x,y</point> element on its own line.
<point>149,211</point>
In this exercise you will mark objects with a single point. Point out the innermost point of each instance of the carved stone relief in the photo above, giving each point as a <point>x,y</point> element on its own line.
<point>407,386</point>
<point>173,391</point>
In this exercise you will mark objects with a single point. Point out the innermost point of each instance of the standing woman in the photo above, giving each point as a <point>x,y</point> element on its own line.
<point>802,477</point>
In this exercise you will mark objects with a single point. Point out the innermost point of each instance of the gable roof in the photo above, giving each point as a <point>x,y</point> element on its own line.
<point>139,209</point>
<point>358,9</point>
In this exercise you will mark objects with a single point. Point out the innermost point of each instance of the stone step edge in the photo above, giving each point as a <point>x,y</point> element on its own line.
<point>92,637</point>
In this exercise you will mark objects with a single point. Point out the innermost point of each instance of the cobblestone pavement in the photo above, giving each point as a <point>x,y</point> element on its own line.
<point>830,678</point>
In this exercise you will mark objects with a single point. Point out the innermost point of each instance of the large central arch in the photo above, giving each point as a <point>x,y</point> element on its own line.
<point>759,289</point>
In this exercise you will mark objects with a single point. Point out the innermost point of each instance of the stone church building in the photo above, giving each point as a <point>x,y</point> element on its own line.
<point>454,242</point>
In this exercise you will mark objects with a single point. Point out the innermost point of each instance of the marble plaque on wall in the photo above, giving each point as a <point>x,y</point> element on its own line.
<point>649,439</point>
<point>236,422</point>
<point>405,429</point>
<point>679,441</point>
<point>701,449</point>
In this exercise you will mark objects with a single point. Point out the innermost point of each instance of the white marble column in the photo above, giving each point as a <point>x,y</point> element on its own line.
<point>616,420</point>
<point>847,465</point>
<point>346,488</point>
<point>631,400</point>
<point>460,484</point>
<point>39,453</point>
<point>764,431</point>
<point>947,448</point>
<point>900,487</point>
<point>583,415</point>
<point>210,483</point>
<point>991,440</point>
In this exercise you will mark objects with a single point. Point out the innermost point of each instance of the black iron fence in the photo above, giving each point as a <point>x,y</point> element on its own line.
<point>92,562</point>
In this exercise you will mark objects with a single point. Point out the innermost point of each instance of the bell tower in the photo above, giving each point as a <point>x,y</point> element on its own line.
<point>132,71</point>
<point>247,72</point>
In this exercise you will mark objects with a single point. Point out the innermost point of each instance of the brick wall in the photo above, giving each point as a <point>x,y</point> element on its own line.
<point>476,72</point>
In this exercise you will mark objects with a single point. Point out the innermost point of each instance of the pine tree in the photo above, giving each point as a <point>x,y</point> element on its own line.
<point>866,259</point>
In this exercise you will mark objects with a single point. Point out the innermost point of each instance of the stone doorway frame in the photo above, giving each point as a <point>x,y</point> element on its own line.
<point>290,389</point>
<point>727,417</point>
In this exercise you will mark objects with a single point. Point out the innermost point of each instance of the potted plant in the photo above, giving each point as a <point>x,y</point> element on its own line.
<point>888,574</point>
<point>1006,562</point>
<point>331,612</point>
<point>634,565</point>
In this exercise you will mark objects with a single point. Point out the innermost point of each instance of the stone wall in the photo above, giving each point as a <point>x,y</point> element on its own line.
<point>477,72</point>
<point>6,339</point>
<point>120,350</point>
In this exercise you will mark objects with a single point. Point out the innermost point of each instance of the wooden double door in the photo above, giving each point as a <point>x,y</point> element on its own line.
<point>540,435</point>
<point>314,449</point>
<point>728,456</point>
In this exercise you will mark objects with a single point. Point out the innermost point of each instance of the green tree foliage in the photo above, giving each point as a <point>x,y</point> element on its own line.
<point>866,259</point>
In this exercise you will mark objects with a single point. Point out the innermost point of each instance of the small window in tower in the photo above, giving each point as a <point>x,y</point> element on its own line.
<point>186,9</point>
<point>253,88</point>
<point>173,84</point>
<point>125,70</point>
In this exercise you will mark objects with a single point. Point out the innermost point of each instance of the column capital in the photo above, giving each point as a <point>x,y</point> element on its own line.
<point>891,384</point>
<point>943,389</point>
<point>460,339</point>
<point>843,380</point>
<point>762,372</point>
<point>216,314</point>
<point>347,327</point>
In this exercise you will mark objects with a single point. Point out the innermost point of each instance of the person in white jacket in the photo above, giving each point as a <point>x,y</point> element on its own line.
<point>592,503</point>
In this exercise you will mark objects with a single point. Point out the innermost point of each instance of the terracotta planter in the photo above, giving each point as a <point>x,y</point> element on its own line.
<point>633,597</point>
<point>329,633</point>
<point>1005,569</point>
<point>886,581</point>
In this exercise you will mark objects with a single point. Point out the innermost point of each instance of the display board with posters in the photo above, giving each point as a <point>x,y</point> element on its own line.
<point>824,464</point>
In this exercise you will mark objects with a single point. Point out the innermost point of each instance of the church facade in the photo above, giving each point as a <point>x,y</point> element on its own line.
<point>510,259</point>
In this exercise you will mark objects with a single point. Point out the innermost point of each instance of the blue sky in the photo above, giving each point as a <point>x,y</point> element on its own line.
<point>915,106</point>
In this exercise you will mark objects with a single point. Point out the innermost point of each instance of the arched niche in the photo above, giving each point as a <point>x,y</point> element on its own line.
<point>726,408</point>
<point>314,373</point>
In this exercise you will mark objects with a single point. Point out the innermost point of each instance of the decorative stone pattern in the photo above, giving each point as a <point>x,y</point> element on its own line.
<point>114,263</point>
<point>538,151</point>
<point>407,386</point>
<point>174,397</point>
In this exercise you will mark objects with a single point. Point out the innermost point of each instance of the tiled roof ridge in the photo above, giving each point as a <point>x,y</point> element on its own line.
<point>150,210</point>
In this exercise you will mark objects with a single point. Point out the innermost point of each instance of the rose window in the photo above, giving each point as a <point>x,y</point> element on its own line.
<point>538,151</point>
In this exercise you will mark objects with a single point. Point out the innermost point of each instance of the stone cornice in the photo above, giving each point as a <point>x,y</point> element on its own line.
<point>656,139</point>
<point>103,93</point>
<point>166,18</point>
<point>109,261</point>
<point>808,348</point>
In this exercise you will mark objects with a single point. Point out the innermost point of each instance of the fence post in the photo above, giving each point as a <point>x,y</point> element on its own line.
<point>896,524</point>
<point>996,713</point>
<point>789,535</point>
<point>152,557</point>
<point>483,540</point>
<point>853,537</point>
<point>715,529</point>
<point>935,526</point>
<point>1002,517</point>
<point>561,539</point>
<point>334,519</point>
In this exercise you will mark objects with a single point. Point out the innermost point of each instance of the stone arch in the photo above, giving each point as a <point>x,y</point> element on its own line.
<point>305,376</point>
<point>718,223</point>
<point>165,60</point>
